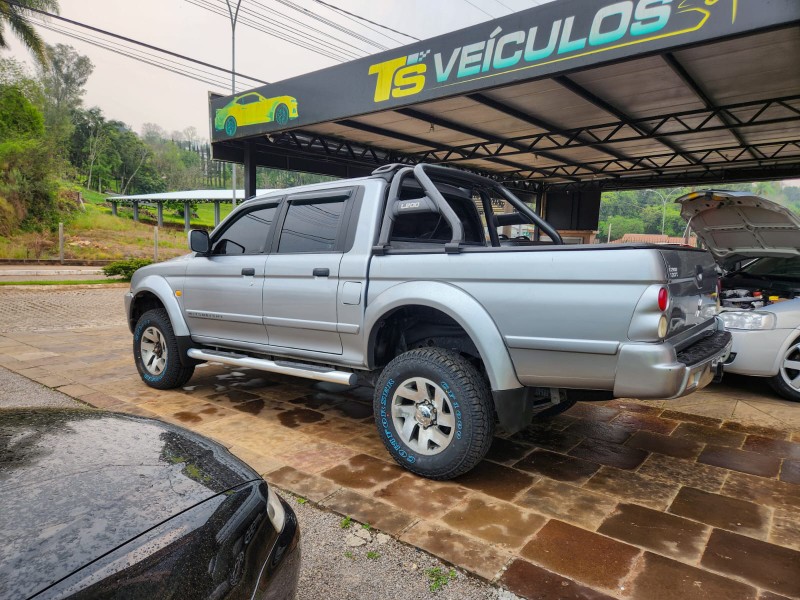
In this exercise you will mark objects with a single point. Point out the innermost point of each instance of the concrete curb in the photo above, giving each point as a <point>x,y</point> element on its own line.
<point>41,288</point>
<point>47,272</point>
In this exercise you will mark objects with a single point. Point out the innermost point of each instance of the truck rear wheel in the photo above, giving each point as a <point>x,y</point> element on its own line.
<point>434,413</point>
<point>156,352</point>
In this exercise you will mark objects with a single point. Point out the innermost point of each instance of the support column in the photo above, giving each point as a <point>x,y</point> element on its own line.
<point>113,209</point>
<point>136,212</point>
<point>160,212</point>
<point>537,231</point>
<point>187,214</point>
<point>249,171</point>
<point>216,213</point>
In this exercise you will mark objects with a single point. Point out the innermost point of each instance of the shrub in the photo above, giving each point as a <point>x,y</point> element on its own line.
<point>125,268</point>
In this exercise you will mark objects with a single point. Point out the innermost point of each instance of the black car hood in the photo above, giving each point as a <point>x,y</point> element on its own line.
<point>76,484</point>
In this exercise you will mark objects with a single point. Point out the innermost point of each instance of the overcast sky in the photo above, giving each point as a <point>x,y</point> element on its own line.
<point>136,93</point>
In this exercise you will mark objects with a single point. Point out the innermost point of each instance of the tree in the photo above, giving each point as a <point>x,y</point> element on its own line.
<point>27,168</point>
<point>18,117</point>
<point>16,15</point>
<point>620,226</point>
<point>63,79</point>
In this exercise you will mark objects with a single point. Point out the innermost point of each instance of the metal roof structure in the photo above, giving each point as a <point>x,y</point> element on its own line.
<point>185,196</point>
<point>574,94</point>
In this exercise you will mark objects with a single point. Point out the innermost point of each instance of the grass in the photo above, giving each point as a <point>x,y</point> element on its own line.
<point>345,523</point>
<point>350,555</point>
<point>438,578</point>
<point>66,282</point>
<point>95,234</point>
<point>372,555</point>
<point>301,500</point>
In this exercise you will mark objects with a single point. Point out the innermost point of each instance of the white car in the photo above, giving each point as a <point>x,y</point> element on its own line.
<point>757,244</point>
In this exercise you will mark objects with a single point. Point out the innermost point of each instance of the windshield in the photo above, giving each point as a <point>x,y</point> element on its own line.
<point>774,267</point>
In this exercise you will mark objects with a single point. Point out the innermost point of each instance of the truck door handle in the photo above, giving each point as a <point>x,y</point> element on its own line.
<point>249,272</point>
<point>318,272</point>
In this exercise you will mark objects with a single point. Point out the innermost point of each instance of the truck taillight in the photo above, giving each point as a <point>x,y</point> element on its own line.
<point>663,299</point>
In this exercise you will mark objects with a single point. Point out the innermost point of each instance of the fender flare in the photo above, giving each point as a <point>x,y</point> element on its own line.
<point>462,308</point>
<point>158,286</point>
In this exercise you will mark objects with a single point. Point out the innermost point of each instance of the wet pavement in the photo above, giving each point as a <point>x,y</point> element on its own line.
<point>695,498</point>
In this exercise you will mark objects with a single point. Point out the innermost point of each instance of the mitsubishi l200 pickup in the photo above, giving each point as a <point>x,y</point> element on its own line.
<point>409,279</point>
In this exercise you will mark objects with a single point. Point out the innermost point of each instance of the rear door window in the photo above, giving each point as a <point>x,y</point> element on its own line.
<point>312,226</point>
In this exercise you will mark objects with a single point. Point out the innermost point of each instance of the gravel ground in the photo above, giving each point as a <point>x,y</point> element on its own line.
<point>328,571</point>
<point>335,571</point>
<point>17,391</point>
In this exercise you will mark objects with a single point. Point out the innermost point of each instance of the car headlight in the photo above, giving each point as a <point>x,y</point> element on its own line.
<point>275,510</point>
<point>749,319</point>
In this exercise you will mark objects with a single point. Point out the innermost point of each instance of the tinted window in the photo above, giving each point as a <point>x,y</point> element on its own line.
<point>311,227</point>
<point>248,234</point>
<point>433,227</point>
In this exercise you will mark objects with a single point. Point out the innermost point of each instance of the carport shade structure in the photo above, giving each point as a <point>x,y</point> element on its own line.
<point>574,95</point>
<point>188,197</point>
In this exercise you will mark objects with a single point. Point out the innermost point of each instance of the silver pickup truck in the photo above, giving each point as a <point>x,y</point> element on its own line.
<point>412,280</point>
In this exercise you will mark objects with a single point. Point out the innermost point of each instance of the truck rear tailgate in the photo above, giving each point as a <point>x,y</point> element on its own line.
<point>692,280</point>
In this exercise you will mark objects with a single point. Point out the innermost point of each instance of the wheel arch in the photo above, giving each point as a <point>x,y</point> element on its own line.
<point>154,292</point>
<point>457,305</point>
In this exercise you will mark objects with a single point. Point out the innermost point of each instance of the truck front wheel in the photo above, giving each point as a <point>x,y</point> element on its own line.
<point>434,413</point>
<point>156,352</point>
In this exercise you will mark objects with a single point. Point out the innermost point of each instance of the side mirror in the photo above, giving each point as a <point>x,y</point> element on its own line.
<point>199,241</point>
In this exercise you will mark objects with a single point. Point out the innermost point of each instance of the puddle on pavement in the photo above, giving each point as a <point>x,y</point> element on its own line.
<point>299,416</point>
<point>188,417</point>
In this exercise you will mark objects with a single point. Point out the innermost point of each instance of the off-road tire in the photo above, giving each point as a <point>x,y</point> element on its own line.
<point>174,374</point>
<point>467,391</point>
<point>778,383</point>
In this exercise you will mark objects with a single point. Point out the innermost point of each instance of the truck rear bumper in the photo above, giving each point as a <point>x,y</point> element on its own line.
<point>658,371</point>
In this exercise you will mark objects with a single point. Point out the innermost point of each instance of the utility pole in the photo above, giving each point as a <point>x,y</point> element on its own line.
<point>664,200</point>
<point>234,15</point>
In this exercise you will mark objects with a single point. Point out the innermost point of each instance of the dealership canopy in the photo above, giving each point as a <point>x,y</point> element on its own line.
<point>574,94</point>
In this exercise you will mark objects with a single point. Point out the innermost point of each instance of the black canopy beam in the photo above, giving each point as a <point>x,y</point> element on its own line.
<point>478,133</point>
<point>769,153</point>
<point>698,91</point>
<point>418,141</point>
<point>526,117</point>
<point>681,123</point>
<point>582,92</point>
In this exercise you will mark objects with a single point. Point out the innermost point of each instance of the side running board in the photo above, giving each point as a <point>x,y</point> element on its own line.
<point>316,372</point>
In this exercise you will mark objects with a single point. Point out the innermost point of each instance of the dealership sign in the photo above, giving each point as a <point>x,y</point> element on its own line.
<point>541,41</point>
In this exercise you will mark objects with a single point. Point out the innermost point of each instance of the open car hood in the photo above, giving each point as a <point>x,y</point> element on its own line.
<point>738,225</point>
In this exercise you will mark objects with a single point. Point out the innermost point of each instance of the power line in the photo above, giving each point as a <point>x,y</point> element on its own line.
<point>360,18</point>
<point>366,25</point>
<point>196,73</point>
<point>505,5</point>
<point>333,24</point>
<point>132,41</point>
<point>310,27</point>
<point>311,44</point>
<point>473,5</point>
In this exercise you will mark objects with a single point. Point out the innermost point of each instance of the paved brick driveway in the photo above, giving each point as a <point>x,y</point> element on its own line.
<point>698,498</point>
